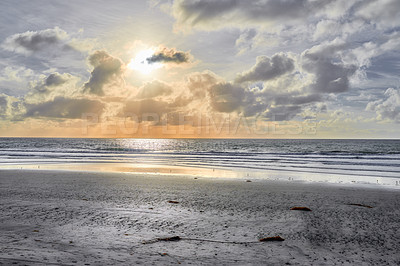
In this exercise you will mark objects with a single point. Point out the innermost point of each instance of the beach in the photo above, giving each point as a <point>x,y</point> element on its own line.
<point>200,132</point>
<point>92,218</point>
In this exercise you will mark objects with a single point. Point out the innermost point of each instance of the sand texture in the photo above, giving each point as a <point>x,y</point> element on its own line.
<point>83,218</point>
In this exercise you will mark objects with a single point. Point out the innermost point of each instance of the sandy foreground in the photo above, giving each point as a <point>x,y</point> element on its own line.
<point>87,218</point>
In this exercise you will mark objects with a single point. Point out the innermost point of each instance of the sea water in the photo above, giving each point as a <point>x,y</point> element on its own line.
<point>371,161</point>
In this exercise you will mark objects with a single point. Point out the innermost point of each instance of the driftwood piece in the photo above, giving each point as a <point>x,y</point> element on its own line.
<point>300,209</point>
<point>270,239</point>
<point>360,205</point>
<point>178,238</point>
<point>172,238</point>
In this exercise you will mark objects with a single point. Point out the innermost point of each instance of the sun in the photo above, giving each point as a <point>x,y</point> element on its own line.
<point>140,63</point>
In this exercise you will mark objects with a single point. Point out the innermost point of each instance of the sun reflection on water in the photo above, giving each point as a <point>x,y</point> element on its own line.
<point>149,145</point>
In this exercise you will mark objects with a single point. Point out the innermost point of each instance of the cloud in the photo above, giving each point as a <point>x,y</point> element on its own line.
<point>282,113</point>
<point>244,42</point>
<point>5,105</point>
<point>55,96</point>
<point>46,50</point>
<point>34,41</point>
<point>166,55</point>
<point>153,89</point>
<point>199,83</point>
<point>214,94</point>
<point>387,108</point>
<point>54,85</point>
<point>225,97</point>
<point>284,103</point>
<point>363,96</point>
<point>267,68</point>
<point>146,109</point>
<point>276,99</point>
<point>14,80</point>
<point>293,99</point>
<point>269,14</point>
<point>209,14</point>
<point>13,73</point>
<point>55,79</point>
<point>107,70</point>
<point>385,13</point>
<point>331,73</point>
<point>61,107</point>
<point>363,54</point>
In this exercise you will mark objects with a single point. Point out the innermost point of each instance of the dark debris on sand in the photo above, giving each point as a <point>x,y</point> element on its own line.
<point>300,209</point>
<point>360,205</point>
<point>272,238</point>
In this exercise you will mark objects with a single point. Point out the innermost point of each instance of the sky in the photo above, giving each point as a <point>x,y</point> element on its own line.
<point>200,68</point>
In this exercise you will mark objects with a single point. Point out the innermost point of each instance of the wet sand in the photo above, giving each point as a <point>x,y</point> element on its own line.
<point>87,218</point>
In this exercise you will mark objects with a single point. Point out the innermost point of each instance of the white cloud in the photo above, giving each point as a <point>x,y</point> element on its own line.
<point>18,74</point>
<point>153,89</point>
<point>388,107</point>
<point>8,105</point>
<point>363,96</point>
<point>245,40</point>
<point>385,13</point>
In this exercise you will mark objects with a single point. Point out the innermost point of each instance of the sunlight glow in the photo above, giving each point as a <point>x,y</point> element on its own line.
<point>140,63</point>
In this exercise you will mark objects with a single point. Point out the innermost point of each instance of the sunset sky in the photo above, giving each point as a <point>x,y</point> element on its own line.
<point>180,68</point>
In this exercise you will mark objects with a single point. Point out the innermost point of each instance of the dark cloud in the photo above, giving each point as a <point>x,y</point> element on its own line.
<point>212,14</point>
<point>34,41</point>
<point>267,68</point>
<point>331,75</point>
<point>169,56</point>
<point>273,106</point>
<point>280,105</point>
<point>216,13</point>
<point>254,108</point>
<point>221,96</point>
<point>61,107</point>
<point>153,89</point>
<point>225,97</point>
<point>49,84</point>
<point>55,79</point>
<point>107,70</point>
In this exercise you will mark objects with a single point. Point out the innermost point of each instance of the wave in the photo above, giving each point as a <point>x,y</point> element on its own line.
<point>378,158</point>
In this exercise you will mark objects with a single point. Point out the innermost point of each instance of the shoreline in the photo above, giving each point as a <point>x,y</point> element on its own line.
<point>67,217</point>
<point>208,172</point>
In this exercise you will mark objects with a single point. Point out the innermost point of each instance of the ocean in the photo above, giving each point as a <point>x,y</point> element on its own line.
<point>370,161</point>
